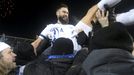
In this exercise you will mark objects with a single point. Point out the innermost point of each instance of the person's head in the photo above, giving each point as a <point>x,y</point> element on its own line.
<point>7,58</point>
<point>62,14</point>
<point>62,46</point>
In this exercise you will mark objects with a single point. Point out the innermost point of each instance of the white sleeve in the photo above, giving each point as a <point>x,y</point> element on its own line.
<point>82,26</point>
<point>46,32</point>
<point>126,18</point>
<point>109,3</point>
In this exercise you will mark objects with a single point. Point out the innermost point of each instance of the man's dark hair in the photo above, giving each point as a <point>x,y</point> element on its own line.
<point>61,5</point>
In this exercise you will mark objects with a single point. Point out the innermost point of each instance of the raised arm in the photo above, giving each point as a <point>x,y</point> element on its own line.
<point>101,5</point>
<point>85,23</point>
<point>89,16</point>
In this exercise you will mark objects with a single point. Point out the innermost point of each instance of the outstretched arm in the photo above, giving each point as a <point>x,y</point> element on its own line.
<point>85,23</point>
<point>42,39</point>
<point>89,16</point>
<point>38,44</point>
<point>101,5</point>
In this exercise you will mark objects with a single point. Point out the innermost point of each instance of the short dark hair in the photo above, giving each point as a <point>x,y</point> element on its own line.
<point>61,5</point>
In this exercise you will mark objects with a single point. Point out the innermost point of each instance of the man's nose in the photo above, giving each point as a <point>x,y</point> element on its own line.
<point>66,14</point>
<point>14,54</point>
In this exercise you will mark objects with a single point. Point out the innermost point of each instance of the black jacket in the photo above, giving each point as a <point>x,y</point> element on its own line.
<point>43,66</point>
<point>109,62</point>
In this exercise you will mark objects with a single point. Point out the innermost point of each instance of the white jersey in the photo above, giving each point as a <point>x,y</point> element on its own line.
<point>54,31</point>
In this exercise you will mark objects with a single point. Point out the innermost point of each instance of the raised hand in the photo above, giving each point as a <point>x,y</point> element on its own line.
<point>102,18</point>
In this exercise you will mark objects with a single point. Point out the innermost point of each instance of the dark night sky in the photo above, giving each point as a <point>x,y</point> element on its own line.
<point>29,17</point>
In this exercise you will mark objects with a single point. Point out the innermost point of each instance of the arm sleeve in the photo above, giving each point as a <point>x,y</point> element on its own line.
<point>126,18</point>
<point>81,26</point>
<point>109,3</point>
<point>45,33</point>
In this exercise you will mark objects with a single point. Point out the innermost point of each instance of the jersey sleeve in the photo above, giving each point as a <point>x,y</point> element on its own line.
<point>45,33</point>
<point>81,26</point>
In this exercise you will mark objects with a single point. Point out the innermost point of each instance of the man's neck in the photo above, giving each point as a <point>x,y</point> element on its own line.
<point>59,22</point>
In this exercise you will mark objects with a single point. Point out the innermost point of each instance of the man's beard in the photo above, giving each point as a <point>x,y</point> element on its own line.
<point>63,19</point>
<point>11,65</point>
<point>7,66</point>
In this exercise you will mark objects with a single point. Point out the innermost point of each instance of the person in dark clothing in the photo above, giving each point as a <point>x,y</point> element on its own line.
<point>111,49</point>
<point>55,64</point>
<point>24,52</point>
<point>76,68</point>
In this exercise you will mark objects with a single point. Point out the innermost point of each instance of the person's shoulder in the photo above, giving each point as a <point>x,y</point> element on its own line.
<point>51,25</point>
<point>70,25</point>
<point>57,24</point>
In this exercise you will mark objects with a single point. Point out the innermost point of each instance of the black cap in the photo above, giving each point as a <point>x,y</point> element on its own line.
<point>62,46</point>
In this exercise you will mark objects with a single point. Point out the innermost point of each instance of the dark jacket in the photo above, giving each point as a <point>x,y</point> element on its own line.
<point>48,66</point>
<point>76,68</point>
<point>109,62</point>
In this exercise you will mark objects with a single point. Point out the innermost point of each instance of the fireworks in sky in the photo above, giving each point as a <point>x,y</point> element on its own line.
<point>6,8</point>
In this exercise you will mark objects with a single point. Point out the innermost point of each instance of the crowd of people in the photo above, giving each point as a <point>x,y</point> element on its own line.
<point>96,45</point>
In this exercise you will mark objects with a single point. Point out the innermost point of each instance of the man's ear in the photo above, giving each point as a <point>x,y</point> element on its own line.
<point>57,13</point>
